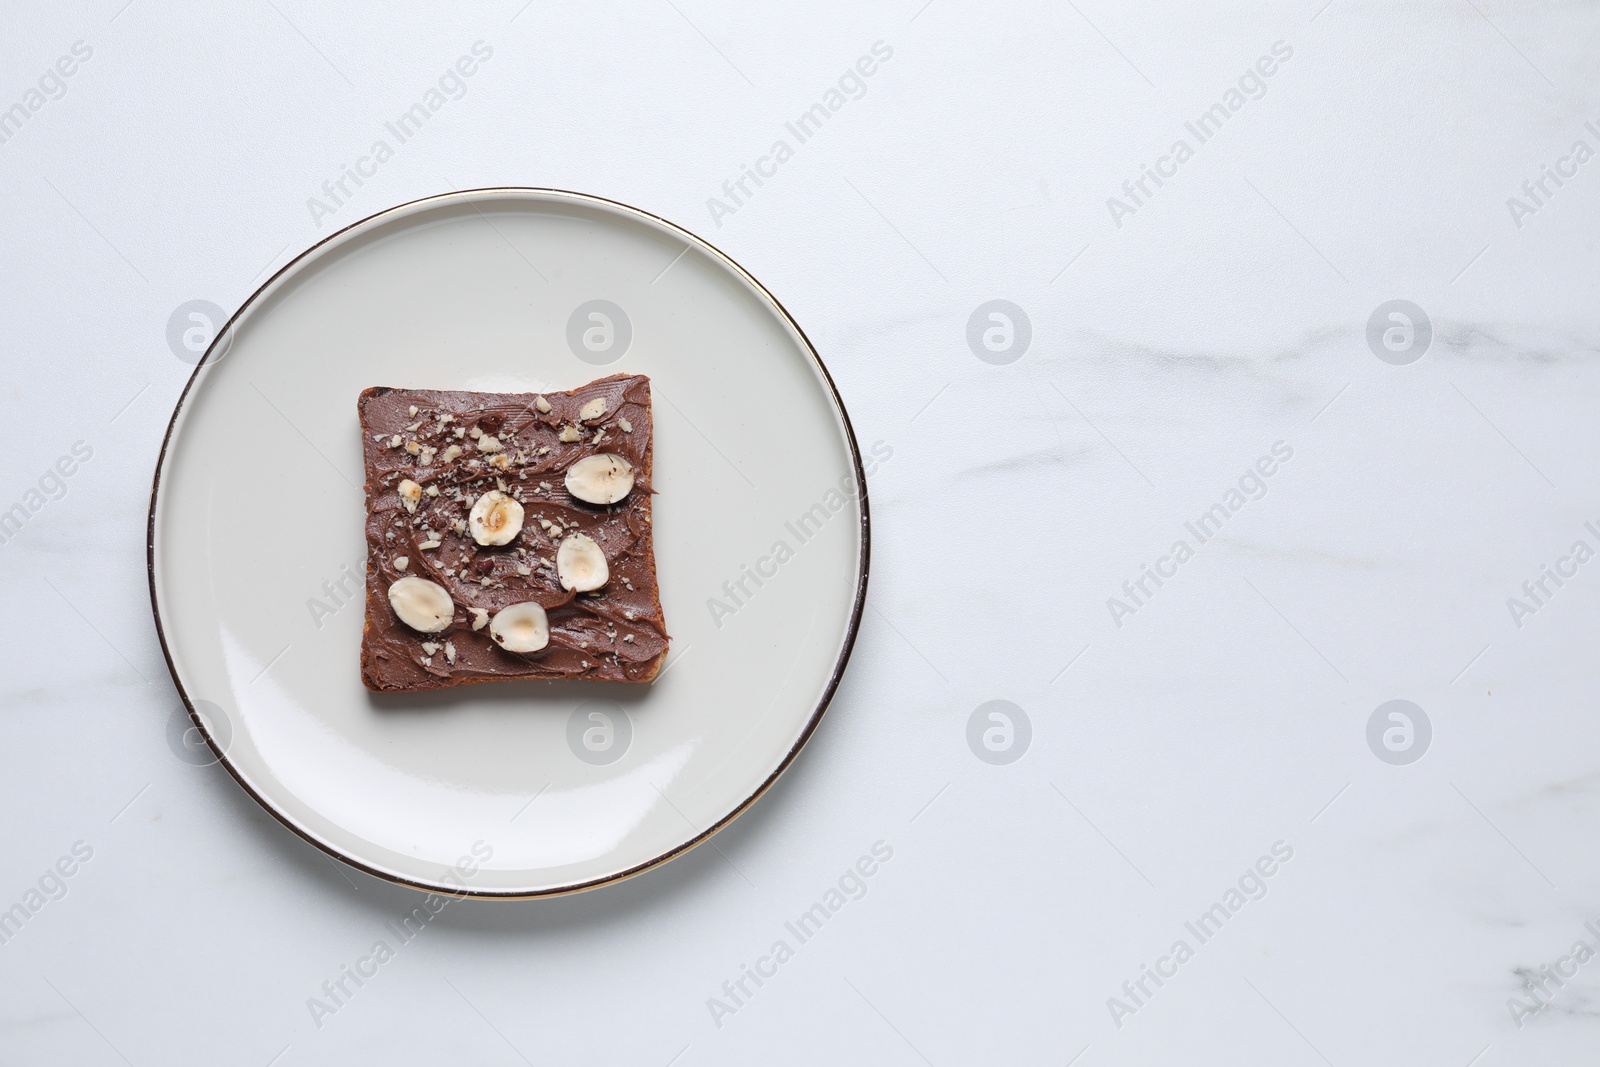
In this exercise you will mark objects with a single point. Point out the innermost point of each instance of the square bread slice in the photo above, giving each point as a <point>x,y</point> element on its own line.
<point>509,536</point>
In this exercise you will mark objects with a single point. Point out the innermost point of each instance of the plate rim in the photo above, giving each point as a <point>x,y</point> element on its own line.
<point>834,678</point>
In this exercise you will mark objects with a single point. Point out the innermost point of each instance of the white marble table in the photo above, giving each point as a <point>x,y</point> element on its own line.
<point>1183,738</point>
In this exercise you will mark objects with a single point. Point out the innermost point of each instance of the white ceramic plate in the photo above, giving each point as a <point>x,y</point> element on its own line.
<point>513,788</point>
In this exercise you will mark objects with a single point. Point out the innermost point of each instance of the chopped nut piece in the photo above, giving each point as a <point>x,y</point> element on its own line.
<point>501,461</point>
<point>581,564</point>
<point>480,618</point>
<point>570,433</point>
<point>600,479</point>
<point>422,605</point>
<point>450,653</point>
<point>402,562</point>
<point>521,628</point>
<point>412,448</point>
<point>487,443</point>
<point>451,453</point>
<point>627,427</point>
<point>413,411</point>
<point>432,490</point>
<point>430,647</point>
<point>495,519</point>
<point>542,404</point>
<point>410,495</point>
<point>594,409</point>
<point>432,543</point>
<point>394,442</point>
